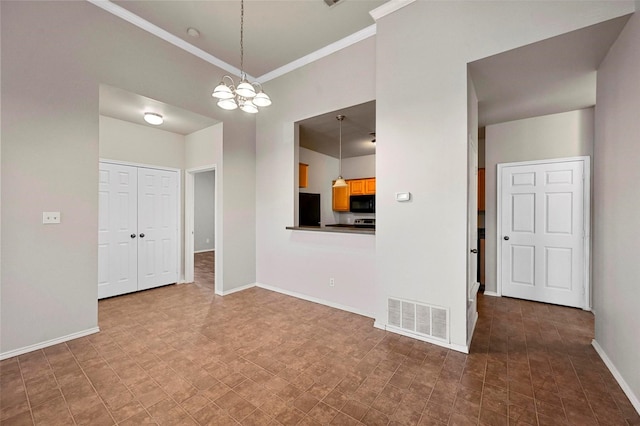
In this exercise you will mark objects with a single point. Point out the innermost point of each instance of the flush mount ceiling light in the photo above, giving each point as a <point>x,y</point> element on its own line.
<point>244,95</point>
<point>153,118</point>
<point>340,181</point>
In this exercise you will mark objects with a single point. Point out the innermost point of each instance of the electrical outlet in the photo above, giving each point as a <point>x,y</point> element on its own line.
<point>332,282</point>
<point>50,217</point>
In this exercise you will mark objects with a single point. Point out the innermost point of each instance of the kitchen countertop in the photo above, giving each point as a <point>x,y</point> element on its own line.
<point>335,229</point>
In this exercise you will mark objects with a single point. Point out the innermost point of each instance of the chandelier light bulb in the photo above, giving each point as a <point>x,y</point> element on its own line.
<point>222,91</point>
<point>262,99</point>
<point>245,89</point>
<point>228,104</point>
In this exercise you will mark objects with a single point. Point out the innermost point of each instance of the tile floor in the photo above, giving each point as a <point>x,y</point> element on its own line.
<point>180,355</point>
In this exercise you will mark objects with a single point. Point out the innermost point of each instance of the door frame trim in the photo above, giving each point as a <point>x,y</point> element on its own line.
<point>189,211</point>
<point>586,188</point>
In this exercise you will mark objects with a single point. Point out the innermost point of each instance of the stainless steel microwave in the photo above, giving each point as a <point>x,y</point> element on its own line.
<point>362,203</point>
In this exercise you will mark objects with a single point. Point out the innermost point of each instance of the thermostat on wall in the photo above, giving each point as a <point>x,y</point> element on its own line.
<point>403,196</point>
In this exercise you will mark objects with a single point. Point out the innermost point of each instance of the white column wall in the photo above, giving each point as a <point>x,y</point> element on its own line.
<point>422,139</point>
<point>296,261</point>
<point>616,224</point>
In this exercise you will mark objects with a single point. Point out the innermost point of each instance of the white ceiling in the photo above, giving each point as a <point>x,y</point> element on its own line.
<point>127,106</point>
<point>322,133</point>
<point>550,76</point>
<point>276,32</point>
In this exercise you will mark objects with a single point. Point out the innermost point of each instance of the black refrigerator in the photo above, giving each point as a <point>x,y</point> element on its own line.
<point>309,209</point>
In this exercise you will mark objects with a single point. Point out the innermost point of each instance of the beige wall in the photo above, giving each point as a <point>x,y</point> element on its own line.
<point>296,261</point>
<point>50,86</point>
<point>568,134</point>
<point>616,224</point>
<point>136,143</point>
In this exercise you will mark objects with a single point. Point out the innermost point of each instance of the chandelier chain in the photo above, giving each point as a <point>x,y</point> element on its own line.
<point>241,39</point>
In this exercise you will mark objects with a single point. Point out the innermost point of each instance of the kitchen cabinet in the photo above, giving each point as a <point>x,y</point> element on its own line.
<point>370,186</point>
<point>356,186</point>
<point>303,175</point>
<point>341,198</point>
<point>481,195</point>
<point>362,186</point>
<point>137,228</point>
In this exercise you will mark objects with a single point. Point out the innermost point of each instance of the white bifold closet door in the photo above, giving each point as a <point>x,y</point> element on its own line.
<point>138,229</point>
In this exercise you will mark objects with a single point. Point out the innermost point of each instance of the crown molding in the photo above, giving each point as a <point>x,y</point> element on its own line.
<point>141,23</point>
<point>389,7</point>
<point>320,53</point>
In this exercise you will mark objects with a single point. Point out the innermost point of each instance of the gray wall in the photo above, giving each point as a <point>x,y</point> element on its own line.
<point>616,217</point>
<point>50,85</point>
<point>204,211</point>
<point>568,134</point>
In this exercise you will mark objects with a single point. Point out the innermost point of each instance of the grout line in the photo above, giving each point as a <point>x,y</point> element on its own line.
<point>26,394</point>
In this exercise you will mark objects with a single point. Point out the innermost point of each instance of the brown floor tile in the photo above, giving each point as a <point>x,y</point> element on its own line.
<point>181,354</point>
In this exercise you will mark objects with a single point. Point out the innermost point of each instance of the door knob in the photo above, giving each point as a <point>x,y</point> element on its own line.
<point>506,238</point>
<point>141,235</point>
<point>133,235</point>
<point>474,250</point>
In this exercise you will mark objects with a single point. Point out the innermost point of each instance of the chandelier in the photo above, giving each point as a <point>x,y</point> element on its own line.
<point>244,95</point>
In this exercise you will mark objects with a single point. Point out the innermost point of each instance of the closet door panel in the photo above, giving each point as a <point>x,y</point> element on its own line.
<point>157,227</point>
<point>117,250</point>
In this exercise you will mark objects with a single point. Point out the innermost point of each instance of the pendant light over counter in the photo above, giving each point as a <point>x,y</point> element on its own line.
<point>340,182</point>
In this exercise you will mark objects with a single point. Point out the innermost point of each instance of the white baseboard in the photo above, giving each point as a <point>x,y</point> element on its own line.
<point>491,293</point>
<point>453,346</point>
<point>235,290</point>
<point>473,329</point>
<point>635,401</point>
<point>203,251</point>
<point>42,345</point>
<point>316,300</point>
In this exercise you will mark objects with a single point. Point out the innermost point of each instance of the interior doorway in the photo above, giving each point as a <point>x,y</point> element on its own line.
<point>543,238</point>
<point>202,227</point>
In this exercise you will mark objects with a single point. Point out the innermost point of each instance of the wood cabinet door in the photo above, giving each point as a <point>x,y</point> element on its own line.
<point>341,199</point>
<point>356,186</point>
<point>303,175</point>
<point>370,186</point>
<point>481,190</point>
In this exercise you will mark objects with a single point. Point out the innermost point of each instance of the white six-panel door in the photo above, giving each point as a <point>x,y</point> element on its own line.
<point>138,229</point>
<point>117,223</point>
<point>157,228</point>
<point>542,218</point>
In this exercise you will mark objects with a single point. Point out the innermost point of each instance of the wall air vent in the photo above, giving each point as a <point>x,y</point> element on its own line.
<point>416,318</point>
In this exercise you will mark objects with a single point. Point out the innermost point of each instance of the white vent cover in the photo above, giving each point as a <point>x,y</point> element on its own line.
<point>426,320</point>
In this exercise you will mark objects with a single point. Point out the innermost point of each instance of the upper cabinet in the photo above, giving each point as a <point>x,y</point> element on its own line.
<point>354,187</point>
<point>303,175</point>
<point>481,190</point>
<point>362,186</point>
<point>370,186</point>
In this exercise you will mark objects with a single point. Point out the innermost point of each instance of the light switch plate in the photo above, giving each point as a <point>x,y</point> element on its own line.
<point>50,217</point>
<point>403,196</point>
